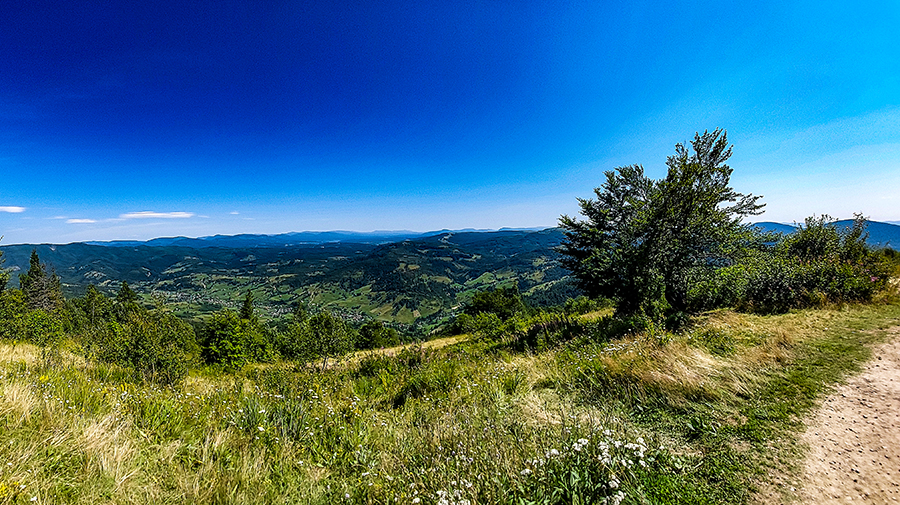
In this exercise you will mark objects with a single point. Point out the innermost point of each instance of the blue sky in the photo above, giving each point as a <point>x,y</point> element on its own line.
<point>133,120</point>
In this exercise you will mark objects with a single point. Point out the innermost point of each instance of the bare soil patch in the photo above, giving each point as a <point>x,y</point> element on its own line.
<point>854,438</point>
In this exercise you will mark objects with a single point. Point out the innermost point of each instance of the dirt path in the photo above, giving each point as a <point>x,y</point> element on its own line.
<point>854,438</point>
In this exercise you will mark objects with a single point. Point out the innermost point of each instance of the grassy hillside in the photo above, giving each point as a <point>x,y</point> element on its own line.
<point>707,416</point>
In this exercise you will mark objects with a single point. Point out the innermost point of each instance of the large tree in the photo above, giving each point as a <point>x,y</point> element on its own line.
<point>641,236</point>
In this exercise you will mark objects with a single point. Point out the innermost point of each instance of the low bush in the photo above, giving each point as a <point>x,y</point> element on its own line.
<point>155,346</point>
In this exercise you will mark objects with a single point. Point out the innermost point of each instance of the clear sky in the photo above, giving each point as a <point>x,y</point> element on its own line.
<point>136,119</point>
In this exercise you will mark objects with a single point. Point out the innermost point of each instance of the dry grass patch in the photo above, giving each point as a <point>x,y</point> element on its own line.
<point>19,352</point>
<point>107,444</point>
<point>17,404</point>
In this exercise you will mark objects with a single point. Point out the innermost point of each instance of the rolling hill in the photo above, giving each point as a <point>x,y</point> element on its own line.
<point>417,280</point>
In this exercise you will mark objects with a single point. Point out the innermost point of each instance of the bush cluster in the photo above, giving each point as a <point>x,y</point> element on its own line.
<point>817,265</point>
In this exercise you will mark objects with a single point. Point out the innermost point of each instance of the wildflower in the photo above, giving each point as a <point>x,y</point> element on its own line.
<point>526,472</point>
<point>260,428</point>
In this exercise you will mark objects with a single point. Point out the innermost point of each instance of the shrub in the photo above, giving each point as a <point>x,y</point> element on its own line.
<point>156,346</point>
<point>321,336</point>
<point>43,329</point>
<point>585,305</point>
<point>233,342</point>
<point>12,309</point>
<point>502,302</point>
<point>714,288</point>
<point>819,264</point>
<point>374,334</point>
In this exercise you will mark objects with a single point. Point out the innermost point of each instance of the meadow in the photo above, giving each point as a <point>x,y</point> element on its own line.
<point>709,414</point>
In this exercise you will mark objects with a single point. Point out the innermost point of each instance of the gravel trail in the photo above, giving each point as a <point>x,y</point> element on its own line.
<point>854,438</point>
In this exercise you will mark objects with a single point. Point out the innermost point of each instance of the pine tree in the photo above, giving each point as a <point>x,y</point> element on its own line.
<point>126,295</point>
<point>95,306</point>
<point>42,291</point>
<point>247,307</point>
<point>4,275</point>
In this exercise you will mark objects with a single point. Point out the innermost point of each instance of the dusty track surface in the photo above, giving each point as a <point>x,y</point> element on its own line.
<point>854,438</point>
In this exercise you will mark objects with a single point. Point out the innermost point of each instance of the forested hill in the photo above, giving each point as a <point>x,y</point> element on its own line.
<point>415,280</point>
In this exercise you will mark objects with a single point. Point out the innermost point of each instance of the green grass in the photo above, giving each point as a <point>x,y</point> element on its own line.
<point>707,416</point>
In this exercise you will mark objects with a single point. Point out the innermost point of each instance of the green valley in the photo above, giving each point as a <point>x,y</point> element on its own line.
<point>412,282</point>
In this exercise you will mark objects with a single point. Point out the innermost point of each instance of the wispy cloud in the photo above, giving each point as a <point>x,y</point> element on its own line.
<point>81,221</point>
<point>234,213</point>
<point>12,209</point>
<point>157,215</point>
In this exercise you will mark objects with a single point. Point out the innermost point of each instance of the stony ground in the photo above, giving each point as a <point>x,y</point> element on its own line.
<point>854,438</point>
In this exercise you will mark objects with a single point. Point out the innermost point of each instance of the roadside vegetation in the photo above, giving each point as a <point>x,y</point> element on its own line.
<point>682,377</point>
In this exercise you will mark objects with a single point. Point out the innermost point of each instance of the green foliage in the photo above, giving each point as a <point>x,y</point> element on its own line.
<point>233,342</point>
<point>292,342</point>
<point>95,307</point>
<point>485,324</point>
<point>126,295</point>
<point>537,331</point>
<point>247,306</point>
<point>584,305</point>
<point>4,275</point>
<point>42,290</point>
<point>641,237</point>
<point>320,337</point>
<point>155,346</point>
<point>488,312</point>
<point>328,337</point>
<point>546,329</point>
<point>42,328</point>
<point>12,310</point>
<point>816,265</point>
<point>374,334</point>
<point>721,287</point>
<point>503,302</point>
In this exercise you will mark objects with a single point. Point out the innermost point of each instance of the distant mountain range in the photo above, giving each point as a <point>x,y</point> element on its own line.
<point>293,238</point>
<point>880,234</point>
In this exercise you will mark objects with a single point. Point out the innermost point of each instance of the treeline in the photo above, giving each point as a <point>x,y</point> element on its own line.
<point>152,344</point>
